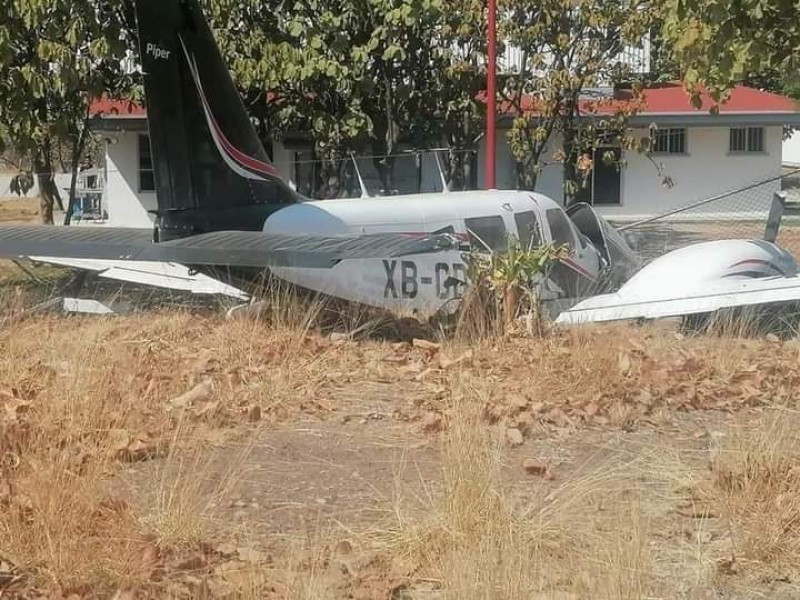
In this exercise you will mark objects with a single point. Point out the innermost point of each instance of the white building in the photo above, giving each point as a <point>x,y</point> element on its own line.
<point>791,150</point>
<point>703,155</point>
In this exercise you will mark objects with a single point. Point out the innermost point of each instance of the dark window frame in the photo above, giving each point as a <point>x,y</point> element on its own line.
<point>747,140</point>
<point>671,140</point>
<point>144,165</point>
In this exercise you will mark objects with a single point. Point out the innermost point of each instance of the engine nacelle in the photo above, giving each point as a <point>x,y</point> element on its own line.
<point>692,269</point>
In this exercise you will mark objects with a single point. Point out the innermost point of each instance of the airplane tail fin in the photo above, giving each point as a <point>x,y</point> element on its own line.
<point>211,170</point>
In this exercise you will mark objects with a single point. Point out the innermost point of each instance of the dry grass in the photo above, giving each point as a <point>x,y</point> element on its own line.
<point>85,400</point>
<point>756,486</point>
<point>24,211</point>
<point>19,210</point>
<point>82,397</point>
<point>585,539</point>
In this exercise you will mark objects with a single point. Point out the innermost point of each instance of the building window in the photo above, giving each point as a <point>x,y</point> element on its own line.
<point>747,139</point>
<point>604,184</point>
<point>147,179</point>
<point>670,141</point>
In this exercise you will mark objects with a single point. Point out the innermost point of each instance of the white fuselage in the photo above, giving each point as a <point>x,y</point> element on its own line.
<point>428,282</point>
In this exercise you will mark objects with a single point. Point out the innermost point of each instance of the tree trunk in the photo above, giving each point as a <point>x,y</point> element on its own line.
<point>56,196</point>
<point>526,176</point>
<point>47,186</point>
<point>570,170</point>
<point>455,169</point>
<point>78,146</point>
<point>384,164</point>
<point>471,171</point>
<point>331,179</point>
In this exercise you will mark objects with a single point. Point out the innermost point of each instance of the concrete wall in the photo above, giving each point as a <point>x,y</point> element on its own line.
<point>706,170</point>
<point>126,205</point>
<point>791,150</point>
<point>549,182</point>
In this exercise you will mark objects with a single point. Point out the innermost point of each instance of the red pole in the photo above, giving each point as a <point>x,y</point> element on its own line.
<point>491,92</point>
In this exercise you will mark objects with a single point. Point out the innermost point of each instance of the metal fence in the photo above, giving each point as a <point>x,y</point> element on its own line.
<point>742,212</point>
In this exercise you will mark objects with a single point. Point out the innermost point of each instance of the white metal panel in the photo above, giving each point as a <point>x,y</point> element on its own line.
<point>166,275</point>
<point>414,213</point>
<point>82,305</point>
<point>729,294</point>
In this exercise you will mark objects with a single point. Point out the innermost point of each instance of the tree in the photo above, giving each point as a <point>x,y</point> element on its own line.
<point>397,62</point>
<point>717,43</point>
<point>56,58</point>
<point>248,33</point>
<point>358,75</point>
<point>567,48</point>
<point>456,109</point>
<point>300,71</point>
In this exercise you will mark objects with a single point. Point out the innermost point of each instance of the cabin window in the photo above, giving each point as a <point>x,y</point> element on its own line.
<point>670,141</point>
<point>528,229</point>
<point>147,179</point>
<point>487,231</point>
<point>746,139</point>
<point>560,228</point>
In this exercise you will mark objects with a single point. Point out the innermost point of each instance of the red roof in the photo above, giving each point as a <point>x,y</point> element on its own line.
<point>672,98</point>
<point>117,108</point>
<point>669,98</point>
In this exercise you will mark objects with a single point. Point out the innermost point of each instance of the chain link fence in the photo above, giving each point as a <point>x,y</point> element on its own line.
<point>742,212</point>
<point>404,172</point>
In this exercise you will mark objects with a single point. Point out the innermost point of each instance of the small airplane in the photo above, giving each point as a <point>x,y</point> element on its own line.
<point>224,208</point>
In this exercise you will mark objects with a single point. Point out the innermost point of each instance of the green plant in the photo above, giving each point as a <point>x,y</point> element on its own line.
<point>512,277</point>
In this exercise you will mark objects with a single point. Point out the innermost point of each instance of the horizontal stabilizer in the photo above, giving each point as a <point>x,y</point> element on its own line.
<point>724,294</point>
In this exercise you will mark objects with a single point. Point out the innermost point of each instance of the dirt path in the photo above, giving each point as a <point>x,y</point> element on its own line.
<point>306,472</point>
<point>333,479</point>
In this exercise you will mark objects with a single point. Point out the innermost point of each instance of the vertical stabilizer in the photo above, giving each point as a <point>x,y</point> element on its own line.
<point>211,170</point>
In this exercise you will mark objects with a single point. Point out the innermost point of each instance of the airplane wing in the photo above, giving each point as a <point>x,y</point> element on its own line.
<point>221,248</point>
<point>158,274</point>
<point>723,294</point>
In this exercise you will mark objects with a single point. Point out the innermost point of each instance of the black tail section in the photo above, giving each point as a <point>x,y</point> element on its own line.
<point>211,169</point>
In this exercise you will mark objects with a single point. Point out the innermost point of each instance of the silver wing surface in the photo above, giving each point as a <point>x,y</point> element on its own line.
<point>723,294</point>
<point>222,248</point>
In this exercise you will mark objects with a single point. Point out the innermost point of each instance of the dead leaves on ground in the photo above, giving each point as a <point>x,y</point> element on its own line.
<point>149,379</point>
<point>623,378</point>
